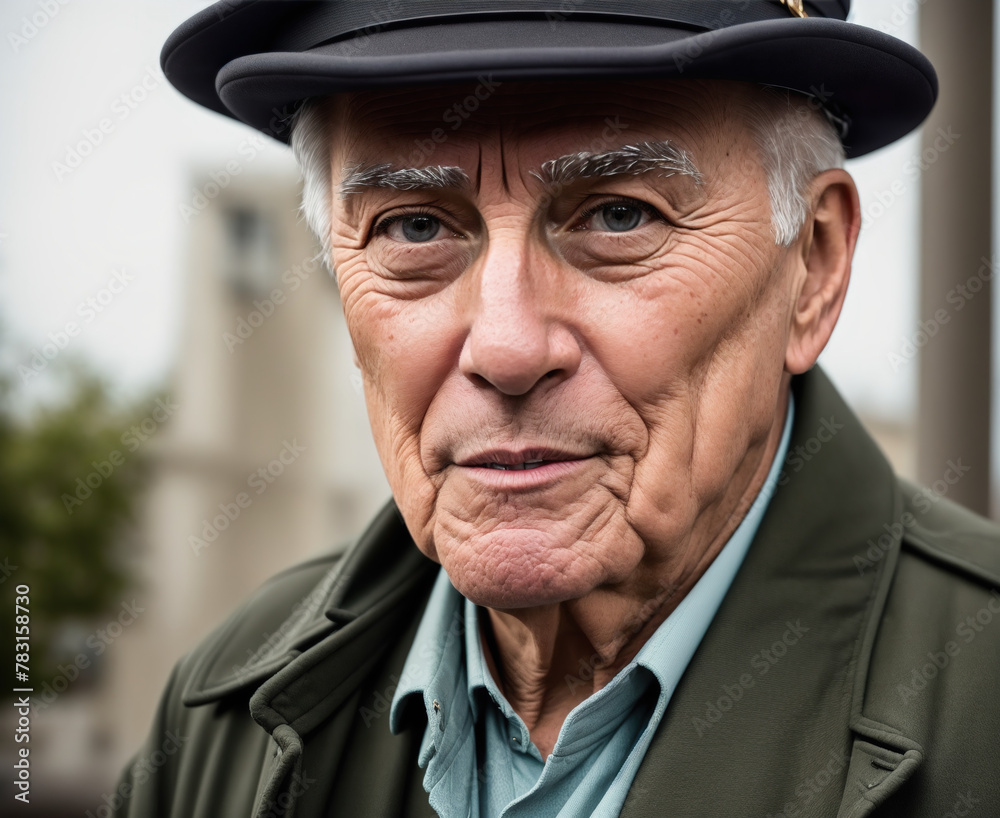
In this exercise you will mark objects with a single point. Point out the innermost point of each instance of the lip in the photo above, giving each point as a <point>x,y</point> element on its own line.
<point>556,465</point>
<point>513,457</point>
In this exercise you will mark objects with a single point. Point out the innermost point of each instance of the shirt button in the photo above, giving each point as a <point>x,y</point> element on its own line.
<point>515,739</point>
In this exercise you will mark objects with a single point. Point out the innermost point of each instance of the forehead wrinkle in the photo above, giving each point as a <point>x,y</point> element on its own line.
<point>503,164</point>
<point>628,160</point>
<point>357,177</point>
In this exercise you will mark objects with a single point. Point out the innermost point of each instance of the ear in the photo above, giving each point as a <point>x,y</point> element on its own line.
<point>823,254</point>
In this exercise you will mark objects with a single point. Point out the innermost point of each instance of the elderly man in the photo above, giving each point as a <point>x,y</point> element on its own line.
<point>588,262</point>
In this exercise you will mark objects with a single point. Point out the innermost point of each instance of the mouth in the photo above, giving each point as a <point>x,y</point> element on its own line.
<point>518,460</point>
<point>544,462</point>
<point>523,470</point>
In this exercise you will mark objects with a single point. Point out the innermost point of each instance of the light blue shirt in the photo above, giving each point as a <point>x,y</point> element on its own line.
<point>478,756</point>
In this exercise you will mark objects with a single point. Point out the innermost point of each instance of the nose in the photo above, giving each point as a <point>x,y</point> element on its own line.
<point>517,338</point>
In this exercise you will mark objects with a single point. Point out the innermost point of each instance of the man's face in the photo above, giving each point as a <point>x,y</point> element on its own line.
<point>619,339</point>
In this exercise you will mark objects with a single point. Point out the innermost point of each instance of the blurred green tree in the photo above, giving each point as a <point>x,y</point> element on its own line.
<point>69,492</point>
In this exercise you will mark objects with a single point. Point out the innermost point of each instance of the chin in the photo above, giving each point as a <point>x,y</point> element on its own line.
<point>517,568</point>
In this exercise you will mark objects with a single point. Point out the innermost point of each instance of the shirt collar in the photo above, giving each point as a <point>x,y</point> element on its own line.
<point>434,660</point>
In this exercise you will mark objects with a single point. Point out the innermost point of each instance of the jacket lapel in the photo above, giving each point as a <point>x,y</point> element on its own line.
<point>316,677</point>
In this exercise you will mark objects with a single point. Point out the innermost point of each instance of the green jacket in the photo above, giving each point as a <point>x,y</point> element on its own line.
<point>852,669</point>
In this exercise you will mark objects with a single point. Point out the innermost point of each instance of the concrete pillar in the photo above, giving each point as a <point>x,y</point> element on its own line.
<point>953,419</point>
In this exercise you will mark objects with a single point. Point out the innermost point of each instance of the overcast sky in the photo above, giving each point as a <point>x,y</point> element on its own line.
<point>65,231</point>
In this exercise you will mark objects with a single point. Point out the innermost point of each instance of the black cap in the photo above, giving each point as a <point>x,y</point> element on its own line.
<point>256,60</point>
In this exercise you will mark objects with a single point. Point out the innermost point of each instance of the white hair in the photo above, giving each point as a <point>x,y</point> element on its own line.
<point>795,138</point>
<point>797,141</point>
<point>311,147</point>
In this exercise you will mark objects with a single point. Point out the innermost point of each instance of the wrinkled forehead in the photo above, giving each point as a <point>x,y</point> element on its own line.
<point>423,126</point>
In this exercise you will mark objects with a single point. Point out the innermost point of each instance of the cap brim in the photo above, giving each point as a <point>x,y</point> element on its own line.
<point>881,85</point>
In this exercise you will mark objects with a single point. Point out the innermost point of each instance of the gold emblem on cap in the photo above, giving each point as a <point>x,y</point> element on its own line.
<point>795,7</point>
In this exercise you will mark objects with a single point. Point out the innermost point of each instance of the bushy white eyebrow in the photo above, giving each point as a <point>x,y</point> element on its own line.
<point>628,160</point>
<point>359,177</point>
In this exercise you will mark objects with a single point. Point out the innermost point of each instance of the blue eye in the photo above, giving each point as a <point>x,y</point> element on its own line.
<point>416,228</point>
<point>419,228</point>
<point>620,217</point>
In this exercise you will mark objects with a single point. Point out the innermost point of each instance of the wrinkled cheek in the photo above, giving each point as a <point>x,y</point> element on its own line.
<point>372,344</point>
<point>663,505</point>
<point>663,518</point>
<point>397,442</point>
<point>416,500</point>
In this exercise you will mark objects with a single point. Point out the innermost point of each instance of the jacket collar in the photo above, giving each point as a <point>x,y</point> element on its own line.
<point>364,588</point>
